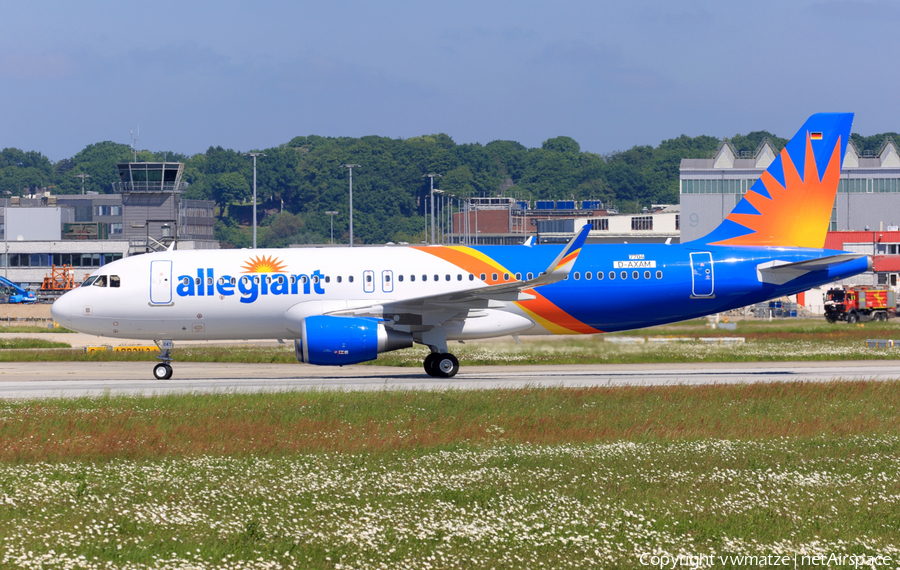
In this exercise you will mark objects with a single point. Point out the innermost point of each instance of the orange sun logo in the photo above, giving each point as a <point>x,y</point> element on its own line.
<point>264,264</point>
<point>797,213</point>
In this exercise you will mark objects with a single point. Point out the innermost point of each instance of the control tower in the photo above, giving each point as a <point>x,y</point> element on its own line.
<point>154,213</point>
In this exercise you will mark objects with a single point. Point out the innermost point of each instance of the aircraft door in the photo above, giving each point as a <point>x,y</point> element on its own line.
<point>387,281</point>
<point>160,282</point>
<point>369,281</point>
<point>702,277</point>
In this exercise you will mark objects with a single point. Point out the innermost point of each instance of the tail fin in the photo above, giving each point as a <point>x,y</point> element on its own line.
<point>791,203</point>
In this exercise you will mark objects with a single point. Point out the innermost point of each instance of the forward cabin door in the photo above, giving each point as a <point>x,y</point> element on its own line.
<point>160,282</point>
<point>702,276</point>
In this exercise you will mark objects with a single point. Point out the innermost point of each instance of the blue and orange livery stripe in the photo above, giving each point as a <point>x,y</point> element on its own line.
<point>569,258</point>
<point>540,309</point>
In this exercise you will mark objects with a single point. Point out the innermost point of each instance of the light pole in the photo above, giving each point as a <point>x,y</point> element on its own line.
<point>440,214</point>
<point>254,155</point>
<point>350,167</point>
<point>332,213</point>
<point>431,176</point>
<point>82,176</point>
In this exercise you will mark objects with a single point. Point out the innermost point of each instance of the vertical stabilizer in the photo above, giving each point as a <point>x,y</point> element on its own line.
<point>791,203</point>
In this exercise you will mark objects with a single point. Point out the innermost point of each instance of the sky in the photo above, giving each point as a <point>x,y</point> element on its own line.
<point>611,75</point>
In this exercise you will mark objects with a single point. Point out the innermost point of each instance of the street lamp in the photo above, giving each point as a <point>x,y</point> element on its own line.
<point>350,167</point>
<point>440,215</point>
<point>332,214</point>
<point>431,176</point>
<point>254,155</point>
<point>82,176</point>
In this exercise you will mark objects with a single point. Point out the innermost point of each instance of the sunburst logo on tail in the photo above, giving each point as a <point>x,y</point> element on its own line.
<point>263,264</point>
<point>795,213</point>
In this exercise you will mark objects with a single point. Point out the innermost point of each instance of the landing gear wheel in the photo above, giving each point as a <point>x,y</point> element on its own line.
<point>446,365</point>
<point>162,371</point>
<point>430,369</point>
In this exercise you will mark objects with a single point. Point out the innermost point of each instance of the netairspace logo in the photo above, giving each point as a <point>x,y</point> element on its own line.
<point>772,560</point>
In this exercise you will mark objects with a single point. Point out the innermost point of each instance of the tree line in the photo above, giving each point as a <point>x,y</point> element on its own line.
<point>300,180</point>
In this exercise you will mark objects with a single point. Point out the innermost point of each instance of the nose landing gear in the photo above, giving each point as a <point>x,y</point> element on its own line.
<point>163,370</point>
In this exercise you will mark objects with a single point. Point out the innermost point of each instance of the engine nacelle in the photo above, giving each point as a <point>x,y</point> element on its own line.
<point>335,341</point>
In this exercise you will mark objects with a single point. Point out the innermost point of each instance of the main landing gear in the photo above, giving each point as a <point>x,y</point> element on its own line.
<point>441,365</point>
<point>163,370</point>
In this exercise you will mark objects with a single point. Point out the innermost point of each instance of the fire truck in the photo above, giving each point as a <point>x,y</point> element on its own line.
<point>860,303</point>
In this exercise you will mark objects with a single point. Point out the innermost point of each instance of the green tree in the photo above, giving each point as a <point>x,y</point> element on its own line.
<point>229,187</point>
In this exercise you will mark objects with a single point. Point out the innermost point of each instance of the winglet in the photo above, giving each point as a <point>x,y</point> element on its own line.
<point>566,258</point>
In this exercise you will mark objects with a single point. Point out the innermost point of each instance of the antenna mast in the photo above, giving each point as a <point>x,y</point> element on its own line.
<point>134,140</point>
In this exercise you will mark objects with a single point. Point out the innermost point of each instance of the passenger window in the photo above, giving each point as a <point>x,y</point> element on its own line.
<point>612,275</point>
<point>412,277</point>
<point>493,276</point>
<point>424,278</point>
<point>624,275</point>
<point>280,279</point>
<point>328,279</point>
<point>233,281</point>
<point>588,275</point>
<point>101,281</point>
<point>197,281</point>
<point>387,278</point>
<point>577,275</point>
<point>459,276</point>
<point>518,276</point>
<point>471,277</point>
<point>400,278</point>
<point>186,280</point>
<point>659,274</point>
<point>646,275</point>
<point>635,274</point>
<point>255,279</point>
<point>221,280</point>
<point>368,278</point>
<point>339,278</point>
<point>506,276</point>
<point>447,278</point>
<point>437,278</point>
<point>304,279</point>
<point>315,279</point>
<point>113,280</point>
<point>530,276</point>
<point>599,276</point>
<point>350,278</point>
<point>483,277</point>
<point>209,280</point>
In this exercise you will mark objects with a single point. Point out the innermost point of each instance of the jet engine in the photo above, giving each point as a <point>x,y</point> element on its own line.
<point>335,341</point>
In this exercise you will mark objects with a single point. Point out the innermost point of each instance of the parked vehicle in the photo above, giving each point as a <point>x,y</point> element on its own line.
<point>860,303</point>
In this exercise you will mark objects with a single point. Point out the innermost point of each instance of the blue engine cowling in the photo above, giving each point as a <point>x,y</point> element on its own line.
<point>335,341</point>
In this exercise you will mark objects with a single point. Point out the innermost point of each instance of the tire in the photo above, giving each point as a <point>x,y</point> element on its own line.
<point>162,371</point>
<point>830,319</point>
<point>428,364</point>
<point>446,365</point>
<point>852,318</point>
<point>880,316</point>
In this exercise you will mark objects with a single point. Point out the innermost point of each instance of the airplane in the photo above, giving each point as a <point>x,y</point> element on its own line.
<point>345,306</point>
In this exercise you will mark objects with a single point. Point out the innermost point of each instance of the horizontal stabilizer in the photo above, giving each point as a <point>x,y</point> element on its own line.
<point>780,272</point>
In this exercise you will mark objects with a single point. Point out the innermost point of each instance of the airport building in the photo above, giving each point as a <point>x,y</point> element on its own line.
<point>145,212</point>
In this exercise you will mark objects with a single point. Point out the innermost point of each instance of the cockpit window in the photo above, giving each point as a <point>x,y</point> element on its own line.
<point>89,281</point>
<point>101,281</point>
<point>114,281</point>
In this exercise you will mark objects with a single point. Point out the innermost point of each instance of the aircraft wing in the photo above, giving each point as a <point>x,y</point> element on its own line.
<point>780,272</point>
<point>431,310</point>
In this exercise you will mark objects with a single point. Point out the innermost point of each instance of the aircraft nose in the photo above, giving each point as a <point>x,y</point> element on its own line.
<point>61,309</point>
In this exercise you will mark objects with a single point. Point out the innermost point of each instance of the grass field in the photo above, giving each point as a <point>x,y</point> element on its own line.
<point>531,478</point>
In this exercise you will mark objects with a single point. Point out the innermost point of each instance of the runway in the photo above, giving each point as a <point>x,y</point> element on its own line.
<point>77,379</point>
